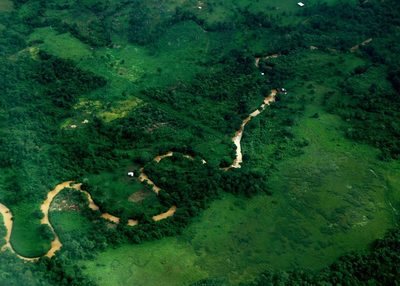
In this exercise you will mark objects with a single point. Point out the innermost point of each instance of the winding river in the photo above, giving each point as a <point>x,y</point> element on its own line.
<point>45,206</point>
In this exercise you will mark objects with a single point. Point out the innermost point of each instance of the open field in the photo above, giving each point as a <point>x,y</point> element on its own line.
<point>26,237</point>
<point>62,45</point>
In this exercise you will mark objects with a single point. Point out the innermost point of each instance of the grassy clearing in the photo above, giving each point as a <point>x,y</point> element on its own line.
<point>68,222</point>
<point>65,213</point>
<point>165,262</point>
<point>107,111</point>
<point>114,191</point>
<point>172,60</point>
<point>336,192</point>
<point>61,45</point>
<point>119,110</point>
<point>129,68</point>
<point>26,237</point>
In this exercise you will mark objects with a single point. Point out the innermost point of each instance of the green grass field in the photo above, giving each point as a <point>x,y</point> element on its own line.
<point>25,237</point>
<point>62,45</point>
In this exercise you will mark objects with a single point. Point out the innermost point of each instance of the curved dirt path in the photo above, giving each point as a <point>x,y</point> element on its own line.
<point>8,223</point>
<point>356,47</point>
<point>144,178</point>
<point>56,243</point>
<point>160,157</point>
<point>165,215</point>
<point>257,60</point>
<point>237,139</point>
<point>45,206</point>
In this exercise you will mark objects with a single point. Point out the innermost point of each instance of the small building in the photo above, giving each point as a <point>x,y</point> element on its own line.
<point>301,4</point>
<point>73,126</point>
<point>282,90</point>
<point>131,174</point>
<point>85,121</point>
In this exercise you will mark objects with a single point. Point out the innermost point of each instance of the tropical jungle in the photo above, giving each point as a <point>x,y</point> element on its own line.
<point>199,142</point>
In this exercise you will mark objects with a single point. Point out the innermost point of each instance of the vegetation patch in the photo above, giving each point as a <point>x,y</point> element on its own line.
<point>62,45</point>
<point>29,237</point>
<point>112,192</point>
<point>6,6</point>
<point>3,232</point>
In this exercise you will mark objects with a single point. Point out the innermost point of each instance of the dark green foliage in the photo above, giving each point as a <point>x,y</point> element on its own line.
<point>237,85</point>
<point>211,282</point>
<point>244,182</point>
<point>125,210</point>
<point>11,39</point>
<point>363,108</point>
<point>62,272</point>
<point>394,77</point>
<point>15,272</point>
<point>143,26</point>
<point>46,232</point>
<point>378,267</point>
<point>188,184</point>
<point>339,25</point>
<point>96,34</point>
<point>372,109</point>
<point>63,81</point>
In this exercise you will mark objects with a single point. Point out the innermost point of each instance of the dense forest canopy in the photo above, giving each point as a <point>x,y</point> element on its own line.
<point>91,90</point>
